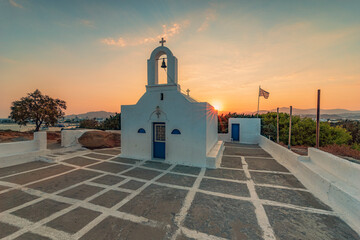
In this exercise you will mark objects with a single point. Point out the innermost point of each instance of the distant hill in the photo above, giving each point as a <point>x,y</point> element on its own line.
<point>91,115</point>
<point>325,113</point>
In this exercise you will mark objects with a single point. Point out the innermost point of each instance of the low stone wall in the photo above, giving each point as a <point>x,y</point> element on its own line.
<point>224,137</point>
<point>69,138</point>
<point>346,171</point>
<point>213,158</point>
<point>333,180</point>
<point>25,151</point>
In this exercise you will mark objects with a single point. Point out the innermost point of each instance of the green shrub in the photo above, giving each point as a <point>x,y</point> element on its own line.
<point>303,130</point>
<point>356,146</point>
<point>112,123</point>
<point>89,123</point>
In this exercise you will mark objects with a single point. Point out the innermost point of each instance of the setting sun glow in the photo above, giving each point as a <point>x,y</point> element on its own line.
<point>217,106</point>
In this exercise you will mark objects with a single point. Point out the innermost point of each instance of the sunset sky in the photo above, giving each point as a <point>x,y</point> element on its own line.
<point>93,54</point>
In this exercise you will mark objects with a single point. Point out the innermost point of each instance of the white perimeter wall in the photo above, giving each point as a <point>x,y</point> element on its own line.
<point>346,171</point>
<point>69,138</point>
<point>224,137</point>
<point>333,180</point>
<point>24,151</point>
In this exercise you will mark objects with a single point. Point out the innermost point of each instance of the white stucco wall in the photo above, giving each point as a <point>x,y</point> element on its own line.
<point>333,180</point>
<point>25,151</point>
<point>69,138</point>
<point>38,143</point>
<point>198,130</point>
<point>346,171</point>
<point>172,66</point>
<point>197,121</point>
<point>211,127</point>
<point>224,137</point>
<point>249,130</point>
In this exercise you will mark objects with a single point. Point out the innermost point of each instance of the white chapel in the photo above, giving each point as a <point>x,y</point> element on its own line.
<point>167,125</point>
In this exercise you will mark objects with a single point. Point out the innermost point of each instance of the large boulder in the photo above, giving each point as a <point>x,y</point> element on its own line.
<point>99,139</point>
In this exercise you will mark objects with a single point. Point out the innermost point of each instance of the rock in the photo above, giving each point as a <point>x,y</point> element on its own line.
<point>99,139</point>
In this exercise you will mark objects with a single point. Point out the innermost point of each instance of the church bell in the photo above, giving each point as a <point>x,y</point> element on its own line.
<point>163,64</point>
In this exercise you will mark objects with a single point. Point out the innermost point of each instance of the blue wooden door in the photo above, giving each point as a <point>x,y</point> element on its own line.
<point>235,131</point>
<point>159,140</point>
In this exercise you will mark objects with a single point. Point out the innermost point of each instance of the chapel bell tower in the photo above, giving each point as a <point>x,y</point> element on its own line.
<point>171,68</point>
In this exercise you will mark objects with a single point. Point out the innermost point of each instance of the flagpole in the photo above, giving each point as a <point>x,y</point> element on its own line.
<point>258,103</point>
<point>318,120</point>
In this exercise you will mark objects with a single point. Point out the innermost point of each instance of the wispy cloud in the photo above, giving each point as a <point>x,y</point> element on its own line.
<point>167,32</point>
<point>6,60</point>
<point>210,15</point>
<point>14,4</point>
<point>114,42</point>
<point>87,23</point>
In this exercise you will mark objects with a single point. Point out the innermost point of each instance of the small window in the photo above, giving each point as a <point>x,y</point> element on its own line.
<point>160,132</point>
<point>176,131</point>
<point>161,96</point>
<point>141,130</point>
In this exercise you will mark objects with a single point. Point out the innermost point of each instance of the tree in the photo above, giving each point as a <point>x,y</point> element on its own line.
<point>89,123</point>
<point>112,123</point>
<point>37,108</point>
<point>303,129</point>
<point>353,127</point>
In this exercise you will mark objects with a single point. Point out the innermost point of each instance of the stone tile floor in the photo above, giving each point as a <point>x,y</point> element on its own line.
<point>99,195</point>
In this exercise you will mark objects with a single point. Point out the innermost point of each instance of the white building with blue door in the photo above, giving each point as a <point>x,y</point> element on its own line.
<point>242,130</point>
<point>167,125</point>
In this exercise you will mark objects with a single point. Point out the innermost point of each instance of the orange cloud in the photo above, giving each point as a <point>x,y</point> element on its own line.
<point>210,15</point>
<point>112,42</point>
<point>168,32</point>
<point>13,3</point>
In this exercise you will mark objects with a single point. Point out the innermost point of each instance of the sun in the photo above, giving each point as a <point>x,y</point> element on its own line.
<point>217,106</point>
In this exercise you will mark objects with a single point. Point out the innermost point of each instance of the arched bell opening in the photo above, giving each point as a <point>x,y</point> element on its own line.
<point>162,63</point>
<point>162,67</point>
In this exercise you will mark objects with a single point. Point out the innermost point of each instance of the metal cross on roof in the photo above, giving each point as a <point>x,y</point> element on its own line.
<point>162,42</point>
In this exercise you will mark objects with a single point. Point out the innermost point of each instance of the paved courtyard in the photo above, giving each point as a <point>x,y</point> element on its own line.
<point>98,195</point>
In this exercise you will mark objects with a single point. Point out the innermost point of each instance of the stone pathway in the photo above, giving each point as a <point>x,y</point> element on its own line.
<point>99,195</point>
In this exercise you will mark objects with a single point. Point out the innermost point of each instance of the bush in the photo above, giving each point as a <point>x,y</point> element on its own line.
<point>303,130</point>
<point>89,123</point>
<point>356,146</point>
<point>112,123</point>
<point>353,127</point>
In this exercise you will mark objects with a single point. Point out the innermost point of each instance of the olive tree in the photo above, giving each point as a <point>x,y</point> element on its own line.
<point>37,108</point>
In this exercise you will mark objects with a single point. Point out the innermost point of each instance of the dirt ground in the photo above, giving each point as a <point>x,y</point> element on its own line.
<point>342,151</point>
<point>15,136</point>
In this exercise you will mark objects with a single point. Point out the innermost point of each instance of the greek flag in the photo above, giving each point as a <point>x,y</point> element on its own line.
<point>263,93</point>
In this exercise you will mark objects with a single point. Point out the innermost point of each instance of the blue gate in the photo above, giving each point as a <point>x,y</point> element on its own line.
<point>235,132</point>
<point>159,140</point>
